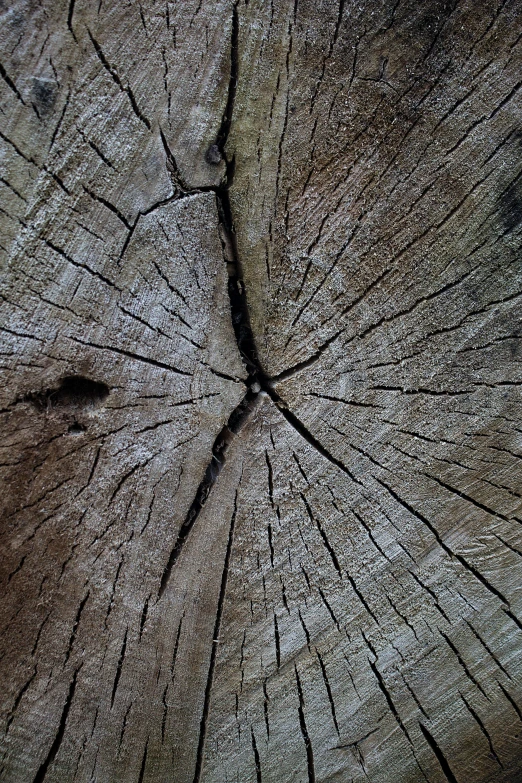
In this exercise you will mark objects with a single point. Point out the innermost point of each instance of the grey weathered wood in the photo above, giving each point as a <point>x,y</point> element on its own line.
<point>328,588</point>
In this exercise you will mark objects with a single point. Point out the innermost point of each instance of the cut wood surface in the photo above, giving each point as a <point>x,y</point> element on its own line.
<point>261,448</point>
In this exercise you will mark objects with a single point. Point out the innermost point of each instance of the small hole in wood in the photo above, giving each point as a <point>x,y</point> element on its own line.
<point>73,391</point>
<point>76,428</point>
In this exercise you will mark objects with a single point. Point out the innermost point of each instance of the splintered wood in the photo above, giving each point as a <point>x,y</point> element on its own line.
<point>261,450</point>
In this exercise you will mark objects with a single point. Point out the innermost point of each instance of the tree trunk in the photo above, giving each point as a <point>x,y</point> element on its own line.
<point>261,444</point>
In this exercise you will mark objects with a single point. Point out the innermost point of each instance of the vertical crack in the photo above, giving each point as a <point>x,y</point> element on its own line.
<point>238,307</point>
<point>236,290</point>
<point>226,120</point>
<point>257,380</point>
<point>439,755</point>
<point>304,730</point>
<point>257,760</point>
<point>213,654</point>
<point>238,418</point>
<point>119,668</point>
<point>55,747</point>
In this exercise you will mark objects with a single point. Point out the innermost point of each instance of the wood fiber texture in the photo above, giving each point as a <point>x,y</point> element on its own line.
<point>261,448</point>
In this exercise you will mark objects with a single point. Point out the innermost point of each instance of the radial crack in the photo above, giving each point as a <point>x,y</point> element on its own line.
<point>237,420</point>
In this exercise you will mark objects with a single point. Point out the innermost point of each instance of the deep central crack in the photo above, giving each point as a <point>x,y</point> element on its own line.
<point>257,381</point>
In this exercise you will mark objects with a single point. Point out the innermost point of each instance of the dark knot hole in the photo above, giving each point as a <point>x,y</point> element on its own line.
<point>74,391</point>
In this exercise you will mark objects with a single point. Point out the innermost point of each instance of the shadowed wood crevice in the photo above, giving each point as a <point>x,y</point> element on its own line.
<point>215,641</point>
<point>238,419</point>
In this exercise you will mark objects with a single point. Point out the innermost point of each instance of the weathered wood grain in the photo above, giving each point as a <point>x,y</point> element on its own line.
<point>358,617</point>
<point>261,451</point>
